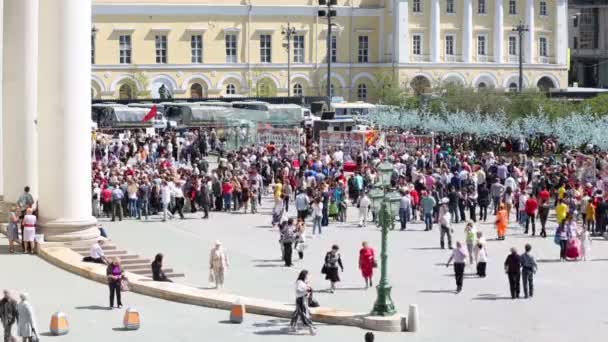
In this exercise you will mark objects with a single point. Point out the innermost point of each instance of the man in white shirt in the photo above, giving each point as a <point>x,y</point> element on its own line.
<point>165,195</point>
<point>97,255</point>
<point>444,222</point>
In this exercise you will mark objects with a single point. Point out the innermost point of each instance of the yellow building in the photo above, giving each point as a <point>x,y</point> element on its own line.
<point>200,48</point>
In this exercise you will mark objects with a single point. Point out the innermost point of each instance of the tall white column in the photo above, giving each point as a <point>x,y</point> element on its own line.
<point>65,100</point>
<point>561,32</point>
<point>1,53</point>
<point>435,30</point>
<point>499,32</point>
<point>467,32</point>
<point>402,31</point>
<point>20,60</point>
<point>530,51</point>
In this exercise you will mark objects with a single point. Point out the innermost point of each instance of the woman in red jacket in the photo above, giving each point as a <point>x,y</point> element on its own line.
<point>227,190</point>
<point>367,262</point>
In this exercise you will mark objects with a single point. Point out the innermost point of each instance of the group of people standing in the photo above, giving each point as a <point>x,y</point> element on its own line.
<point>18,312</point>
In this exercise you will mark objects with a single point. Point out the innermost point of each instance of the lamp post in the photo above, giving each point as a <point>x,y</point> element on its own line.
<point>288,32</point>
<point>387,203</point>
<point>520,29</point>
<point>329,12</point>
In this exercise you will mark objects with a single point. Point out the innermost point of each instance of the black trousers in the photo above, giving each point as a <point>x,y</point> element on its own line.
<point>301,313</point>
<point>459,274</point>
<point>219,203</point>
<point>445,231</point>
<point>543,214</point>
<point>527,278</point>
<point>205,208</point>
<point>302,214</point>
<point>514,283</point>
<point>483,212</point>
<point>472,215</point>
<point>116,210</point>
<point>531,218</point>
<point>287,252</point>
<point>115,289</point>
<point>481,269</point>
<point>286,203</point>
<point>179,206</point>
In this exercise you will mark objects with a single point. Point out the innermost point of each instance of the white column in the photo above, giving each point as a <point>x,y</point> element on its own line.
<point>499,32</point>
<point>435,30</point>
<point>402,32</point>
<point>467,32</point>
<point>20,138</point>
<point>65,100</point>
<point>1,53</point>
<point>530,46</point>
<point>561,32</point>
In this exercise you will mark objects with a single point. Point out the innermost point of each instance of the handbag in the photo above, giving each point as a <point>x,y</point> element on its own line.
<point>324,269</point>
<point>312,303</point>
<point>34,337</point>
<point>124,285</point>
<point>374,264</point>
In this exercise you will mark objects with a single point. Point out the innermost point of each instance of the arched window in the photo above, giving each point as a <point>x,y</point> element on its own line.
<point>482,85</point>
<point>298,90</point>
<point>230,89</point>
<point>513,87</point>
<point>196,91</point>
<point>362,92</point>
<point>125,92</point>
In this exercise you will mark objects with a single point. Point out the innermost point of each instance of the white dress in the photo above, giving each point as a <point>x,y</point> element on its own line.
<point>29,228</point>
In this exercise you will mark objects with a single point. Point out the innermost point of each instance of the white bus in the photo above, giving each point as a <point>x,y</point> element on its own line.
<point>353,110</point>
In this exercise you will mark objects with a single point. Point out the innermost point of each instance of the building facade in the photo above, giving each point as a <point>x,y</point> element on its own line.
<point>204,48</point>
<point>588,25</point>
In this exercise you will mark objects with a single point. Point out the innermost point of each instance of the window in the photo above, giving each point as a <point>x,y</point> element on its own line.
<point>231,89</point>
<point>512,7</point>
<point>334,49</point>
<point>161,49</point>
<point>417,6</point>
<point>513,46</point>
<point>481,7</point>
<point>363,49</point>
<point>449,6</point>
<point>92,48</point>
<point>513,87</point>
<point>298,90</point>
<point>542,47</point>
<point>575,21</point>
<point>575,42</point>
<point>417,44</point>
<point>449,45</point>
<point>362,92</point>
<point>266,48</point>
<point>125,48</point>
<point>196,46</point>
<point>481,46</point>
<point>231,47</point>
<point>298,49</point>
<point>542,8</point>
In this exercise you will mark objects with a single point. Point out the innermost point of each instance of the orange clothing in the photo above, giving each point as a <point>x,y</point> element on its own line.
<point>502,221</point>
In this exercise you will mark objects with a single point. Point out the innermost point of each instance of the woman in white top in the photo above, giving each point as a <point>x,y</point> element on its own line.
<point>302,313</point>
<point>26,321</point>
<point>29,230</point>
<point>218,264</point>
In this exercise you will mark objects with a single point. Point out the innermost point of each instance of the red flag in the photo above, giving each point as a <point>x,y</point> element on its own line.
<point>151,114</point>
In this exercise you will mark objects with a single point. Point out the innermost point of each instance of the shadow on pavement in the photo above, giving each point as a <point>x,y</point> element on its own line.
<point>425,249</point>
<point>267,260</point>
<point>122,329</point>
<point>93,307</point>
<point>268,265</point>
<point>437,291</point>
<point>547,260</point>
<point>271,323</point>
<point>490,296</point>
<point>282,331</point>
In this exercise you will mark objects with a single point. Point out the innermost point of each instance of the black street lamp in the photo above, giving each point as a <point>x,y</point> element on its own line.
<point>520,29</point>
<point>328,12</point>
<point>288,32</point>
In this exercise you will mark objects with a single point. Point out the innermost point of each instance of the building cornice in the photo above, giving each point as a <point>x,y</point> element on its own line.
<point>147,9</point>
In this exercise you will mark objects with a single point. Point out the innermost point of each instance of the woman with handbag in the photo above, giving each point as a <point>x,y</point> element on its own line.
<point>330,267</point>
<point>26,320</point>
<point>115,276</point>
<point>367,263</point>
<point>301,312</point>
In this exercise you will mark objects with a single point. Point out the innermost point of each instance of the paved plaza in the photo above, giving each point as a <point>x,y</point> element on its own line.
<point>567,294</point>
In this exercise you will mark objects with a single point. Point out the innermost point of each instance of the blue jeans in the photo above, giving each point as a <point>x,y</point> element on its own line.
<point>227,201</point>
<point>404,217</point>
<point>133,210</point>
<point>143,208</point>
<point>316,223</point>
<point>428,220</point>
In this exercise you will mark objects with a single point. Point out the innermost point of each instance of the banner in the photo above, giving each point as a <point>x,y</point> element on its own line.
<point>279,136</point>
<point>410,143</point>
<point>350,142</point>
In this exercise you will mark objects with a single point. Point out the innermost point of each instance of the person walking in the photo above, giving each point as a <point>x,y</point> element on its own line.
<point>178,193</point>
<point>405,209</point>
<point>513,270</point>
<point>115,274</point>
<point>317,215</point>
<point>330,266</point>
<point>483,200</point>
<point>204,197</point>
<point>29,230</point>
<point>459,256</point>
<point>157,269</point>
<point>288,237</point>
<point>26,320</point>
<point>218,264</point>
<point>12,230</point>
<point>428,205</point>
<point>470,234</point>
<point>531,206</point>
<point>302,203</point>
<point>301,313</point>
<point>8,315</point>
<point>363,205</point>
<point>117,198</point>
<point>165,194</point>
<point>502,221</point>
<point>367,263</point>
<point>444,223</point>
<point>528,269</point>
<point>482,259</point>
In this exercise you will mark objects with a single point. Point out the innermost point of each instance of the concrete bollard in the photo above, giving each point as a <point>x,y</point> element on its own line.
<point>237,313</point>
<point>59,324</point>
<point>412,318</point>
<point>131,320</point>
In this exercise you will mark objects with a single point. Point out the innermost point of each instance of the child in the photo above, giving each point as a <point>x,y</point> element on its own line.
<point>585,237</point>
<point>482,260</point>
<point>254,201</point>
<point>471,237</point>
